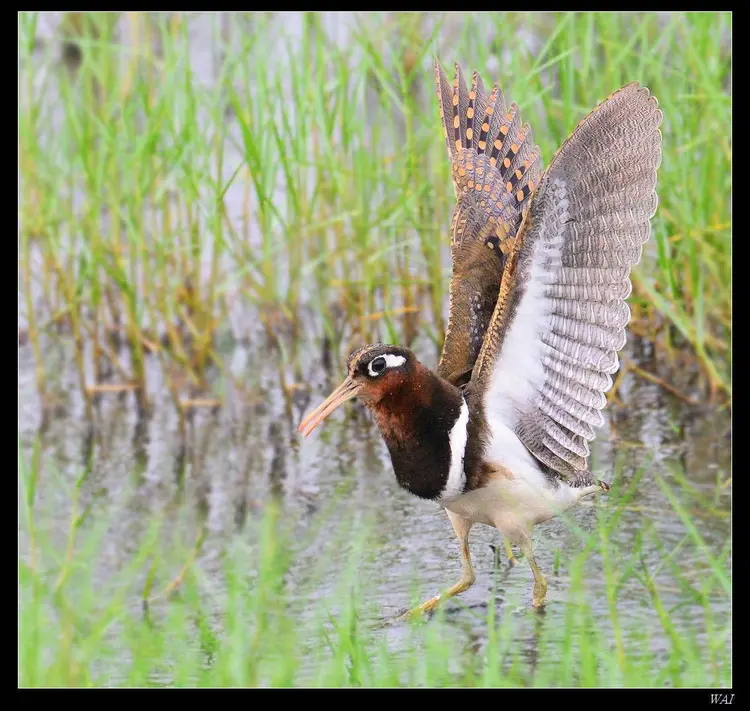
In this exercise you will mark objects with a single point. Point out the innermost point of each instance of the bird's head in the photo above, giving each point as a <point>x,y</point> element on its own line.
<point>373,373</point>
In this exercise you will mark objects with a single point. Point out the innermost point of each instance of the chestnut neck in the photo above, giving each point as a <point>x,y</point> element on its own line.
<point>415,419</point>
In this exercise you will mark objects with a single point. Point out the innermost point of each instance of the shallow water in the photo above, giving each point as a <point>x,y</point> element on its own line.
<point>237,458</point>
<point>241,456</point>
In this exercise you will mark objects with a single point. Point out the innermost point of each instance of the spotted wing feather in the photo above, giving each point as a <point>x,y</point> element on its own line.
<point>560,319</point>
<point>495,168</point>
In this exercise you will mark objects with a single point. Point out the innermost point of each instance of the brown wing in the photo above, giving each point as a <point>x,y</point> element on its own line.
<point>561,315</point>
<point>495,168</point>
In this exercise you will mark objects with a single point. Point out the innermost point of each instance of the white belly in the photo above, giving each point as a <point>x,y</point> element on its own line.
<point>514,503</point>
<point>520,496</point>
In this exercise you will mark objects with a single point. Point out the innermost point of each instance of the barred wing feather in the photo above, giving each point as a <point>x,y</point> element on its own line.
<point>495,167</point>
<point>552,344</point>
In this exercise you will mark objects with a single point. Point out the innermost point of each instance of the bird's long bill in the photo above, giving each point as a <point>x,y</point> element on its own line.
<point>346,391</point>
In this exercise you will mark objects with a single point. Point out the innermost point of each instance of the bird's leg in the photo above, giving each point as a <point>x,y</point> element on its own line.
<point>461,526</point>
<point>512,560</point>
<point>540,584</point>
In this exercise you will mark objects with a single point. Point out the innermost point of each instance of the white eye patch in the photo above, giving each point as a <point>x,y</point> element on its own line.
<point>387,360</point>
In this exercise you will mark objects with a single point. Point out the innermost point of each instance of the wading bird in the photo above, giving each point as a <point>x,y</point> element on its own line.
<point>541,266</point>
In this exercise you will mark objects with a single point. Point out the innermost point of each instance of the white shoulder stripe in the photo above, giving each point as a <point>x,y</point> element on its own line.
<point>457,438</point>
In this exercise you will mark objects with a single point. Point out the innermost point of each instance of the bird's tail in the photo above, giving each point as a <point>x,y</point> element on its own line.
<point>484,125</point>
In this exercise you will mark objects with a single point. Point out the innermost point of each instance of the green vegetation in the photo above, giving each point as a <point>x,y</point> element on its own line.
<point>283,609</point>
<point>310,175</point>
<point>294,179</point>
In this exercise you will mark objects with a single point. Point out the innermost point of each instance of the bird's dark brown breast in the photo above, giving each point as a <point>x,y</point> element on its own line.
<point>415,421</point>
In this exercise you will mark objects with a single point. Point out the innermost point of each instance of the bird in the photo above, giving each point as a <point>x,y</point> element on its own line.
<point>541,259</point>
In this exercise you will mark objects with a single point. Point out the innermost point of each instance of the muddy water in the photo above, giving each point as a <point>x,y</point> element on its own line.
<point>238,458</point>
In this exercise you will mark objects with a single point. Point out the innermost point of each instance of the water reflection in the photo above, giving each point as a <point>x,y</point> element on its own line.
<point>224,468</point>
<point>232,461</point>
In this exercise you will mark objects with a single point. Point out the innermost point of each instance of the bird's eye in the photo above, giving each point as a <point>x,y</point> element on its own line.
<point>377,365</point>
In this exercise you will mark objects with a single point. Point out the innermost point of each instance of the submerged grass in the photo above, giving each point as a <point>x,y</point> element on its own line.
<point>295,174</point>
<point>276,608</point>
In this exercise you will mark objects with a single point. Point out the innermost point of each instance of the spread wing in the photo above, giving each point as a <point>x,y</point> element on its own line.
<point>495,168</point>
<point>560,320</point>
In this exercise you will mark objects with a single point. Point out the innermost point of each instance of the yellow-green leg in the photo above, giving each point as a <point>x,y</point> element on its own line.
<point>512,560</point>
<point>461,526</point>
<point>540,584</point>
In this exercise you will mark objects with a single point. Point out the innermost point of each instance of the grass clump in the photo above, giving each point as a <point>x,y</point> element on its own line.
<point>286,602</point>
<point>301,178</point>
<point>190,181</point>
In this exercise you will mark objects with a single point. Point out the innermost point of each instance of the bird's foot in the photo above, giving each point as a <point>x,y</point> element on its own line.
<point>540,594</point>
<point>416,612</point>
<point>512,560</point>
<point>426,607</point>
